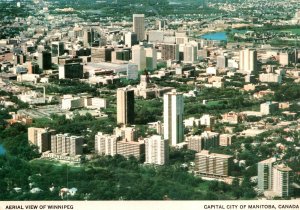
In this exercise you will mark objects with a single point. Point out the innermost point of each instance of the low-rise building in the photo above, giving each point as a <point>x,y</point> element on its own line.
<point>269,107</point>
<point>232,118</point>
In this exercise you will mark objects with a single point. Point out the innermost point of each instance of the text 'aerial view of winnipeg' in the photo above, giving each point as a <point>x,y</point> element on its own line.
<point>109,100</point>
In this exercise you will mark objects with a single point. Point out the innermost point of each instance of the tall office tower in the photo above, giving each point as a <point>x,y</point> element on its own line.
<point>57,49</point>
<point>71,71</point>
<point>190,53</point>
<point>213,164</point>
<point>106,144</point>
<point>101,54</point>
<point>222,62</point>
<point>173,117</point>
<point>156,150</point>
<point>170,52</point>
<point>66,144</point>
<point>282,180</point>
<point>40,137</point>
<point>151,59</point>
<point>264,178</point>
<point>248,61</point>
<point>131,39</point>
<point>139,26</point>
<point>139,56</point>
<point>125,106</point>
<point>88,37</point>
<point>44,60</point>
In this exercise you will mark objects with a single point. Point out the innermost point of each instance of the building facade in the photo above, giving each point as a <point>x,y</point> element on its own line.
<point>125,106</point>
<point>139,26</point>
<point>156,150</point>
<point>248,61</point>
<point>40,137</point>
<point>106,144</point>
<point>66,144</point>
<point>173,117</point>
<point>213,164</point>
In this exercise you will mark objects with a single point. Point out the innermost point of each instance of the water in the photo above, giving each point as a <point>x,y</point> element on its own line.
<point>2,150</point>
<point>220,36</point>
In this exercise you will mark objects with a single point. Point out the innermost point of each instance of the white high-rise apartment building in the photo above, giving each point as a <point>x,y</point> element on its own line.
<point>275,178</point>
<point>282,179</point>
<point>190,53</point>
<point>106,144</point>
<point>139,56</point>
<point>248,61</point>
<point>139,26</point>
<point>173,117</point>
<point>66,144</point>
<point>157,150</point>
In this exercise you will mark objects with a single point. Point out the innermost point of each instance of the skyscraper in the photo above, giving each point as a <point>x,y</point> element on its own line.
<point>139,56</point>
<point>130,39</point>
<point>157,150</point>
<point>139,26</point>
<point>57,49</point>
<point>190,53</point>
<point>151,59</point>
<point>44,60</point>
<point>173,117</point>
<point>88,37</point>
<point>125,106</point>
<point>222,62</point>
<point>170,51</point>
<point>248,61</point>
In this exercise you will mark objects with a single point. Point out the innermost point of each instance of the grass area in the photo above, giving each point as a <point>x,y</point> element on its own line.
<point>213,103</point>
<point>293,30</point>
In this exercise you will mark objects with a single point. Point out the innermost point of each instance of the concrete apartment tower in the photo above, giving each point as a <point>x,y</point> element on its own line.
<point>139,26</point>
<point>248,61</point>
<point>157,150</point>
<point>173,117</point>
<point>264,178</point>
<point>282,180</point>
<point>125,106</point>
